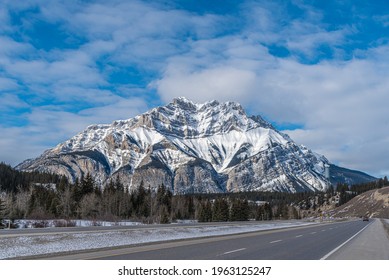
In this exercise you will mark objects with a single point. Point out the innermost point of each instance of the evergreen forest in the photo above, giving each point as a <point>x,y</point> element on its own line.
<point>43,196</point>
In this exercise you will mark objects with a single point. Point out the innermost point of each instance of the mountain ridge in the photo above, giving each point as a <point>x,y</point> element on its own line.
<point>190,147</point>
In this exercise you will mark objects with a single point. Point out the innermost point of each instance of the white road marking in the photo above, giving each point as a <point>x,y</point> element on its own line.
<point>323,230</point>
<point>275,241</point>
<point>299,235</point>
<point>344,243</point>
<point>314,232</point>
<point>234,251</point>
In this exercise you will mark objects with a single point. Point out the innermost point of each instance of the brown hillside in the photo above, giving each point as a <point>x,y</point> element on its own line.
<point>374,203</point>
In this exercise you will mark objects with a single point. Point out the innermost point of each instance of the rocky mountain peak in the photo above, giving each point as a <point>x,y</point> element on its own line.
<point>189,147</point>
<point>185,118</point>
<point>183,103</point>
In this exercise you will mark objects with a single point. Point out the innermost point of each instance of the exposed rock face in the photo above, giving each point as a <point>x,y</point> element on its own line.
<point>197,176</point>
<point>373,203</point>
<point>192,148</point>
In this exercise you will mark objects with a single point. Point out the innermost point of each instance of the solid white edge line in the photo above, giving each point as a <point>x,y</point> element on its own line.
<point>344,243</point>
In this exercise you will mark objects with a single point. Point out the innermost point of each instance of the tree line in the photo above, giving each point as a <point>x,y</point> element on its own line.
<point>12,180</point>
<point>42,196</point>
<point>85,200</point>
<point>346,192</point>
<point>54,197</point>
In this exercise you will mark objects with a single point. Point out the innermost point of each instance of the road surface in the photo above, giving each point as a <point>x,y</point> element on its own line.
<point>371,244</point>
<point>324,241</point>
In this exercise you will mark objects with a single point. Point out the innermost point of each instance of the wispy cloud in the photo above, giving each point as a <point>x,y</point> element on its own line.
<point>50,125</point>
<point>337,100</point>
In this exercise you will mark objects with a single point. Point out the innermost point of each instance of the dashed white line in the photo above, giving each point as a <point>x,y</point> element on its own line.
<point>313,232</point>
<point>275,241</point>
<point>234,251</point>
<point>323,230</point>
<point>297,236</point>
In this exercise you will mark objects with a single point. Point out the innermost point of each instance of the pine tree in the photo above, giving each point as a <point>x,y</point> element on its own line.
<point>87,185</point>
<point>63,184</point>
<point>245,210</point>
<point>141,197</point>
<point>190,208</point>
<point>118,185</point>
<point>282,211</point>
<point>268,213</point>
<point>120,198</point>
<point>260,213</point>
<point>147,203</point>
<point>76,191</point>
<point>2,211</point>
<point>66,202</point>
<point>235,210</point>
<point>220,210</point>
<point>163,202</point>
<point>109,188</point>
<point>164,215</point>
<point>205,212</point>
<point>239,210</point>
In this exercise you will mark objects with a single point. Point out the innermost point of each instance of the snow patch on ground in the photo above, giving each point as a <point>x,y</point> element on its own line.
<point>29,245</point>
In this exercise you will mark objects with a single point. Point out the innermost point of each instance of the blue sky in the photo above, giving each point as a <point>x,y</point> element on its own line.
<point>316,69</point>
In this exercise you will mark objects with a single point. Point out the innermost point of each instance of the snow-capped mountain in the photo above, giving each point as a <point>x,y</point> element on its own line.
<point>189,147</point>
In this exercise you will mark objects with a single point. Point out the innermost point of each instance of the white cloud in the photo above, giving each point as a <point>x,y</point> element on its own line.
<point>50,125</point>
<point>74,67</point>
<point>9,48</point>
<point>4,20</point>
<point>221,83</point>
<point>341,104</point>
<point>384,20</point>
<point>7,84</point>
<point>10,102</point>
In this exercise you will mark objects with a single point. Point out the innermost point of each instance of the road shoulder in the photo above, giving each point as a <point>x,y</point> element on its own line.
<point>371,244</point>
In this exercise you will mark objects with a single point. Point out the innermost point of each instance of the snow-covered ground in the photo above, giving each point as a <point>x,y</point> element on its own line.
<point>72,223</point>
<point>29,245</point>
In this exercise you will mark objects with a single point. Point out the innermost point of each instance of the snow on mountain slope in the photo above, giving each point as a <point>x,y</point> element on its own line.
<point>210,147</point>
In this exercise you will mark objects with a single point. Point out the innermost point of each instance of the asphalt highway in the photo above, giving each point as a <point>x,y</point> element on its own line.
<point>303,243</point>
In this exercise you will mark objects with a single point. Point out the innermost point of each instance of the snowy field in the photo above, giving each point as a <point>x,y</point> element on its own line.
<point>32,244</point>
<point>71,223</point>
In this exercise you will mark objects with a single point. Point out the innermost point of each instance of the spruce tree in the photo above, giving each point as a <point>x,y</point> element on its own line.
<point>119,185</point>
<point>239,210</point>
<point>2,211</point>
<point>264,212</point>
<point>260,213</point>
<point>220,210</point>
<point>235,210</point>
<point>87,185</point>
<point>77,191</point>
<point>205,212</point>
<point>268,212</point>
